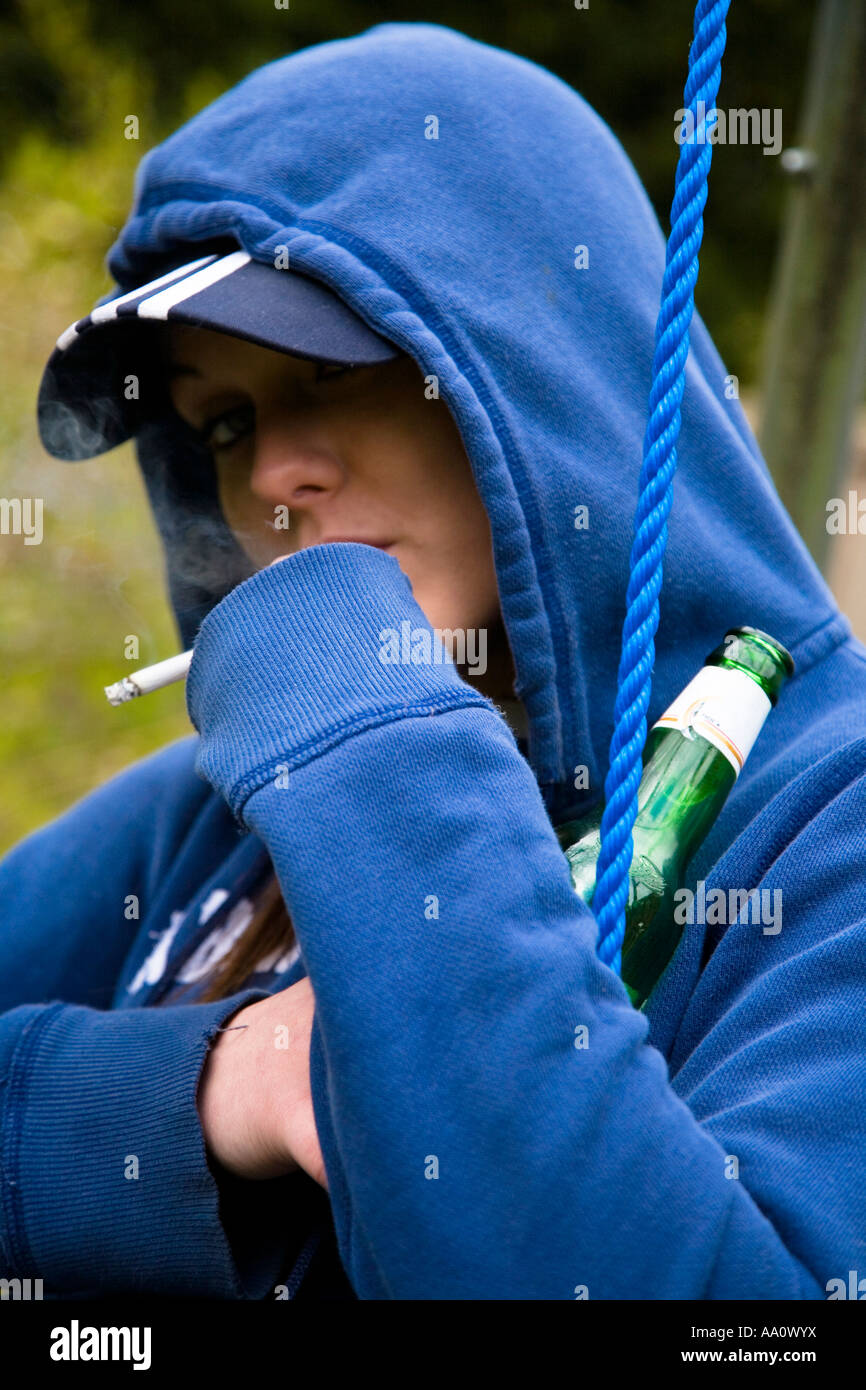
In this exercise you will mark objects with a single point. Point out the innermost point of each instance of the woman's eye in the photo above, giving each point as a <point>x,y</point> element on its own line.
<point>226,429</point>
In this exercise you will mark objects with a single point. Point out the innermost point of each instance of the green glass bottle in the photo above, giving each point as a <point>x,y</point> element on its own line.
<point>692,757</point>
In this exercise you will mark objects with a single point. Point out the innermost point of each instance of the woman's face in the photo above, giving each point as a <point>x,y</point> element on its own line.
<point>353,453</point>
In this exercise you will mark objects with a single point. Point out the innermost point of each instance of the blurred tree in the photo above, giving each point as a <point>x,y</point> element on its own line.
<point>627,58</point>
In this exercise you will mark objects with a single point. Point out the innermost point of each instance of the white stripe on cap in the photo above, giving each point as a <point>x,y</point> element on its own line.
<point>104,312</point>
<point>67,336</point>
<point>158,305</point>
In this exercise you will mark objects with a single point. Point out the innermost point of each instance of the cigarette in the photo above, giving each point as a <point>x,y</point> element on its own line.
<point>174,668</point>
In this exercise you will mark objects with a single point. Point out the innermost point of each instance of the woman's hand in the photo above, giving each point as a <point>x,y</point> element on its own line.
<point>254,1100</point>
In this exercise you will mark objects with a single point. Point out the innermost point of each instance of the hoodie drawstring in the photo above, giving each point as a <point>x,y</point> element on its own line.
<point>655,495</point>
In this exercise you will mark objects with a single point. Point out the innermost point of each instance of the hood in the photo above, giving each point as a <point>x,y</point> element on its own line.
<point>473,209</point>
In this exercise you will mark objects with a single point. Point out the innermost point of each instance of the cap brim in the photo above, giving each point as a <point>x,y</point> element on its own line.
<point>92,397</point>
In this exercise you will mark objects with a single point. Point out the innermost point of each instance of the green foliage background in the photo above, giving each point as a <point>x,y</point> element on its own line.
<point>69,75</point>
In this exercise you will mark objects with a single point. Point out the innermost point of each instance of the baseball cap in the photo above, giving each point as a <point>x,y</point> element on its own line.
<point>104,376</point>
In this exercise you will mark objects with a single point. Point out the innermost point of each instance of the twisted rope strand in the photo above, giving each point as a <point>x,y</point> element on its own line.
<point>655,494</point>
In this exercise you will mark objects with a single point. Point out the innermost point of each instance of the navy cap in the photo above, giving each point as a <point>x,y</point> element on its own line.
<point>104,378</point>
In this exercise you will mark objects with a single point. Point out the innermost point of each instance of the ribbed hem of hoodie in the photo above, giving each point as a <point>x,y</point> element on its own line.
<point>324,645</point>
<point>128,1161</point>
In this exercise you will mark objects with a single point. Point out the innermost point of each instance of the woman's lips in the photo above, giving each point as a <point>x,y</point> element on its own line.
<point>387,546</point>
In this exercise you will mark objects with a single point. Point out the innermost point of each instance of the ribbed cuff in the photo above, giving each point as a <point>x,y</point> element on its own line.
<point>303,655</point>
<point>105,1175</point>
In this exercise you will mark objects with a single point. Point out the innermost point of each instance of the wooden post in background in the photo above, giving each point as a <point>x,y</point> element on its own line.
<point>815,355</point>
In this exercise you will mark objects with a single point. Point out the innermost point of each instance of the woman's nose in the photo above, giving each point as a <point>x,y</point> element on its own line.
<point>293,462</point>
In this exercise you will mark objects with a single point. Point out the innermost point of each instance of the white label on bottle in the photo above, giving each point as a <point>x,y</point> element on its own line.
<point>724,706</point>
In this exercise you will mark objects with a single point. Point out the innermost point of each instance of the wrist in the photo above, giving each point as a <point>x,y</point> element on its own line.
<point>238,1137</point>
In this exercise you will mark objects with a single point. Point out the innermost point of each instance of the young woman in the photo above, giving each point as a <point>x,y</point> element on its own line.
<point>305,1004</point>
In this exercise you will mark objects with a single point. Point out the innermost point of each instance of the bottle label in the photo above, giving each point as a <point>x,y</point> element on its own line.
<point>724,706</point>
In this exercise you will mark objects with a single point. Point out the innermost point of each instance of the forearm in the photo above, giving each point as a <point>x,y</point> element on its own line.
<point>473,1148</point>
<point>492,1121</point>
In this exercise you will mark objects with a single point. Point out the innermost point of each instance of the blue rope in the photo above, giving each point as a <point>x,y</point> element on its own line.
<point>656,483</point>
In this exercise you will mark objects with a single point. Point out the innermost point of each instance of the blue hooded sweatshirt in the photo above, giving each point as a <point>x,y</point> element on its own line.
<point>709,1147</point>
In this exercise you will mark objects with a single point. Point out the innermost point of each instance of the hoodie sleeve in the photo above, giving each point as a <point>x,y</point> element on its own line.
<point>94,869</point>
<point>493,1123</point>
<point>105,1182</point>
